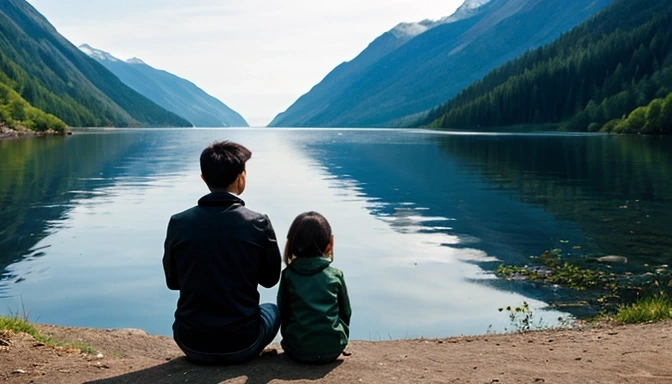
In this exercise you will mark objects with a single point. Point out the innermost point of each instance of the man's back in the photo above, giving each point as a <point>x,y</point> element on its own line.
<point>216,254</point>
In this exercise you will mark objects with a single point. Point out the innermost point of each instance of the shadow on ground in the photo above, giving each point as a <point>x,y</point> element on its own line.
<point>260,371</point>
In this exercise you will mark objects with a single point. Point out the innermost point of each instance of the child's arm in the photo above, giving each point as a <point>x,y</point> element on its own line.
<point>281,300</point>
<point>344,310</point>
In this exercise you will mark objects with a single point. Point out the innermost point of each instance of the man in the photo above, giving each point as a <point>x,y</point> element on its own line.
<point>216,254</point>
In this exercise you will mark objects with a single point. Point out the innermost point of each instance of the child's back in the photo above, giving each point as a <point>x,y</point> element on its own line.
<point>312,298</point>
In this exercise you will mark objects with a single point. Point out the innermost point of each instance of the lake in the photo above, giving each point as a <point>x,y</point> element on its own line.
<point>421,219</point>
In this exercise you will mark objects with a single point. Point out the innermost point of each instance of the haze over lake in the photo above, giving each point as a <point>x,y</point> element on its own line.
<point>421,219</point>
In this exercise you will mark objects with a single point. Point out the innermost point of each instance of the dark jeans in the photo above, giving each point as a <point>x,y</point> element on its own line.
<point>270,324</point>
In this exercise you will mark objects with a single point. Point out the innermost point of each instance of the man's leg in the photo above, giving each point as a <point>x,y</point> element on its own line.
<point>270,325</point>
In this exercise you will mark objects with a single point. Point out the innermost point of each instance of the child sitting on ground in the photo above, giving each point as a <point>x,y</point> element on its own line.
<point>312,298</point>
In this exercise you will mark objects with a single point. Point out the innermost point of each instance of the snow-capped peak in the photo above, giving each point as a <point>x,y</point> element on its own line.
<point>473,4</point>
<point>466,10</point>
<point>409,29</point>
<point>135,60</point>
<point>96,53</point>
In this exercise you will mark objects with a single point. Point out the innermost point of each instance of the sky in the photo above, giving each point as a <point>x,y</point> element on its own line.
<point>256,56</point>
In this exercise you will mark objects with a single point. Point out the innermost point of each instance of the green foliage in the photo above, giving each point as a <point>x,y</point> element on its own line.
<point>522,318</point>
<point>554,270</point>
<point>607,291</point>
<point>655,118</point>
<point>598,72</point>
<point>653,308</point>
<point>17,112</point>
<point>17,324</point>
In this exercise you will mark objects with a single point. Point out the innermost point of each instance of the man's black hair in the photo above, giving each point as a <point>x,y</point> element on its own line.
<point>222,162</point>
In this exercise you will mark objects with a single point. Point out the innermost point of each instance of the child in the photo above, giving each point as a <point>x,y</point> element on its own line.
<point>312,298</point>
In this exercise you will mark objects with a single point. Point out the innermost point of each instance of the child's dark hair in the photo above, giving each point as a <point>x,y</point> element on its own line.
<point>222,162</point>
<point>308,236</point>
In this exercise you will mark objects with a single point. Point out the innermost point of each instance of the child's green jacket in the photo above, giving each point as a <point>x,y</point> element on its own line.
<point>314,308</point>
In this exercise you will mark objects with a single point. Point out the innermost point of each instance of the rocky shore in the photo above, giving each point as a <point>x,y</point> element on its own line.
<point>596,354</point>
<point>7,133</point>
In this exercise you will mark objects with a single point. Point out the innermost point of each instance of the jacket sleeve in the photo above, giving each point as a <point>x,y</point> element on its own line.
<point>169,264</point>
<point>344,310</point>
<point>281,300</point>
<point>271,261</point>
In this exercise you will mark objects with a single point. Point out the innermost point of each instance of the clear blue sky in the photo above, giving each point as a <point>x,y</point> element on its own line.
<point>257,56</point>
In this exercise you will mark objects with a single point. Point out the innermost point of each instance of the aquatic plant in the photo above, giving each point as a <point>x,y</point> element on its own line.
<point>554,271</point>
<point>604,290</point>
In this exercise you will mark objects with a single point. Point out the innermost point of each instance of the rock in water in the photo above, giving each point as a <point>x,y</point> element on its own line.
<point>612,259</point>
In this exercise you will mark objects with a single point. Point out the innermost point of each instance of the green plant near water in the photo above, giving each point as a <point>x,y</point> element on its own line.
<point>554,270</point>
<point>657,307</point>
<point>18,324</point>
<point>523,319</point>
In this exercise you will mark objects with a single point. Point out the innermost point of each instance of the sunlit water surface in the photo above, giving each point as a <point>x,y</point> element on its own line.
<point>421,219</point>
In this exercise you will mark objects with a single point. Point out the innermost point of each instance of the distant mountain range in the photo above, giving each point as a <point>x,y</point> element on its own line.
<point>417,66</point>
<point>53,75</point>
<point>173,93</point>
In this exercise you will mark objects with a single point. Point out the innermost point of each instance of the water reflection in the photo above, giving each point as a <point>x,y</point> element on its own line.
<point>615,188</point>
<point>419,219</point>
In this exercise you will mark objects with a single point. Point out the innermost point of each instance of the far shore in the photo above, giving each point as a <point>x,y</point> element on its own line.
<point>602,353</point>
<point>7,133</point>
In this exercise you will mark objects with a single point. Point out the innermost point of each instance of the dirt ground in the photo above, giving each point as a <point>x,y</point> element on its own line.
<point>601,354</point>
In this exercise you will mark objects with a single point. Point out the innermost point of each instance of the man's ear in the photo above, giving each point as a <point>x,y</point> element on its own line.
<point>242,182</point>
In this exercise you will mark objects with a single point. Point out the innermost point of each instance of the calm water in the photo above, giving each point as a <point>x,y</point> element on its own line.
<point>420,219</point>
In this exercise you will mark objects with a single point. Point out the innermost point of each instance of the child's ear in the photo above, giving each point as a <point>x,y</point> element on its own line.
<point>329,249</point>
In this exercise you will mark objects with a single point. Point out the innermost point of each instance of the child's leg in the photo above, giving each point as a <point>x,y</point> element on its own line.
<point>310,360</point>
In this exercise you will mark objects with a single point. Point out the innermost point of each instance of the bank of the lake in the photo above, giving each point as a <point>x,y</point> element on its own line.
<point>7,133</point>
<point>596,354</point>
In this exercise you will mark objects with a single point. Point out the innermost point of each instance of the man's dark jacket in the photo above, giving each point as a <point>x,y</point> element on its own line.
<point>216,254</point>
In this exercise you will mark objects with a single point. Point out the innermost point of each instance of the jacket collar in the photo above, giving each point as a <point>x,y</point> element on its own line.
<point>309,265</point>
<point>219,199</point>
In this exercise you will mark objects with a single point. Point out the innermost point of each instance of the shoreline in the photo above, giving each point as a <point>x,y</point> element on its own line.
<point>7,133</point>
<point>602,353</point>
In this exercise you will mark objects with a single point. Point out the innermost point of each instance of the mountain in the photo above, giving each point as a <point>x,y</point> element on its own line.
<point>617,62</point>
<point>416,66</point>
<point>53,75</point>
<point>169,91</point>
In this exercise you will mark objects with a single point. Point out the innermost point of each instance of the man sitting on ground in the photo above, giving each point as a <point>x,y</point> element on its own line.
<point>216,254</point>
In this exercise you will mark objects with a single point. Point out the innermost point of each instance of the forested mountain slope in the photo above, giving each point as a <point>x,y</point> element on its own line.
<point>56,77</point>
<point>602,70</point>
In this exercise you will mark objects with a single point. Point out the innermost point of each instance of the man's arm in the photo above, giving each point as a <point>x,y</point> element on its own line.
<point>271,261</point>
<point>169,264</point>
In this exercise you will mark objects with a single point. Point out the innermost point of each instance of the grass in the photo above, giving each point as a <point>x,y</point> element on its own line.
<point>17,324</point>
<point>649,309</point>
